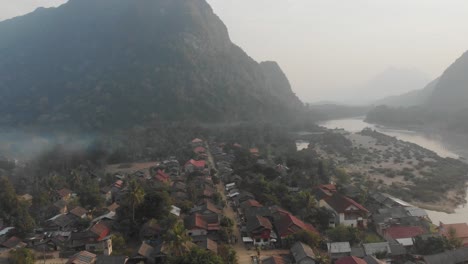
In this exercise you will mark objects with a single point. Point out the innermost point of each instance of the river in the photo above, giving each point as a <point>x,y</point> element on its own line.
<point>428,141</point>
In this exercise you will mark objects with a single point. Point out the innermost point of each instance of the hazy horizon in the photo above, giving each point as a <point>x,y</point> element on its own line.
<point>329,48</point>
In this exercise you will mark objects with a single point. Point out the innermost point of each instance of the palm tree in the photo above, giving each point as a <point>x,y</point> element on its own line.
<point>177,240</point>
<point>135,195</point>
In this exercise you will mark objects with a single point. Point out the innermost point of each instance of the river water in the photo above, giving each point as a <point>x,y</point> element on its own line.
<point>428,141</point>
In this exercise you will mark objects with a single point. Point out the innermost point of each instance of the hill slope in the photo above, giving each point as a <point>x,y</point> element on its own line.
<point>413,98</point>
<point>114,63</point>
<point>451,92</point>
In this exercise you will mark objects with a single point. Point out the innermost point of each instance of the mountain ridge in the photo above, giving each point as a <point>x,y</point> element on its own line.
<point>120,63</point>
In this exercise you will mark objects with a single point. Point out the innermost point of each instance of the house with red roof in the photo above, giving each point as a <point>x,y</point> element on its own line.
<point>459,230</point>
<point>254,152</point>
<point>199,150</point>
<point>195,165</point>
<point>201,225</point>
<point>288,225</point>
<point>260,230</point>
<point>403,232</point>
<point>161,176</point>
<point>100,231</point>
<point>324,191</point>
<point>347,211</point>
<point>196,142</point>
<point>350,260</point>
<point>64,194</point>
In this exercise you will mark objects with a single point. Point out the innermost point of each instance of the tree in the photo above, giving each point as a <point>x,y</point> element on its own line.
<point>177,239</point>
<point>227,254</point>
<point>196,256</point>
<point>342,233</point>
<point>22,256</point>
<point>453,241</point>
<point>12,210</point>
<point>431,245</point>
<point>155,204</point>
<point>135,196</point>
<point>307,237</point>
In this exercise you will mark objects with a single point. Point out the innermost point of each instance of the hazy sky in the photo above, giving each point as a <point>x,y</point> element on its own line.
<point>327,47</point>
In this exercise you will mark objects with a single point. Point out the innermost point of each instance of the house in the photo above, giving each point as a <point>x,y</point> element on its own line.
<point>13,243</point>
<point>448,257</point>
<point>60,222</point>
<point>207,208</point>
<point>460,231</point>
<point>148,252</point>
<point>195,165</point>
<point>206,243</point>
<point>83,257</point>
<point>79,212</point>
<point>63,194</point>
<point>230,186</point>
<point>403,234</point>
<point>151,230</point>
<point>104,245</point>
<point>175,210</point>
<point>179,187</point>
<point>100,231</point>
<point>196,142</point>
<point>260,230</point>
<point>386,200</point>
<point>199,150</point>
<point>162,177</point>
<point>373,260</point>
<point>288,224</point>
<point>302,253</point>
<point>106,193</point>
<point>102,259</point>
<point>338,250</point>
<point>200,225</point>
<point>350,260</point>
<point>247,205</point>
<point>244,196</point>
<point>25,198</point>
<point>254,152</point>
<point>275,260</point>
<point>347,211</point>
<point>372,249</point>
<point>58,207</point>
<point>113,207</point>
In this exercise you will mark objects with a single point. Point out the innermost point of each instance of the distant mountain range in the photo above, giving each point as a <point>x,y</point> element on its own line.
<point>412,98</point>
<point>391,81</point>
<point>442,104</point>
<point>116,63</point>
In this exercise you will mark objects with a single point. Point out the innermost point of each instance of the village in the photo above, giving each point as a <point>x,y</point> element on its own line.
<point>211,210</point>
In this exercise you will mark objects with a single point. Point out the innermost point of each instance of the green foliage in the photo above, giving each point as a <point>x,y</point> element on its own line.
<point>22,256</point>
<point>176,239</point>
<point>13,211</point>
<point>306,237</point>
<point>135,196</point>
<point>431,245</point>
<point>196,256</point>
<point>342,234</point>
<point>227,254</point>
<point>119,246</point>
<point>155,204</point>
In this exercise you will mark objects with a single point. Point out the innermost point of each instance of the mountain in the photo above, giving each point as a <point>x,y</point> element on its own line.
<point>412,98</point>
<point>451,92</point>
<point>389,82</point>
<point>114,63</point>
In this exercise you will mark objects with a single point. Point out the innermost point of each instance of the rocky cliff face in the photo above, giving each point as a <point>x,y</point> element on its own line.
<point>114,63</point>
